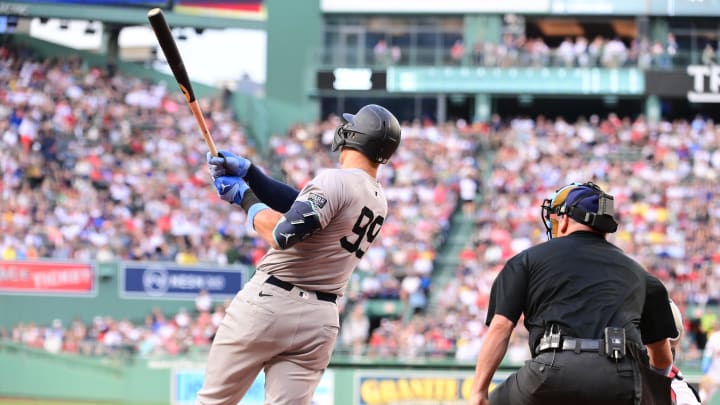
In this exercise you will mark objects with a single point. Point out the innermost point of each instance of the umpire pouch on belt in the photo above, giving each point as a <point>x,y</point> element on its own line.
<point>613,344</point>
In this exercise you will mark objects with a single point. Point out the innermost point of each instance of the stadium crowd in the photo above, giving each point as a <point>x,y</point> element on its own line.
<point>579,51</point>
<point>663,177</point>
<point>101,168</point>
<point>97,167</point>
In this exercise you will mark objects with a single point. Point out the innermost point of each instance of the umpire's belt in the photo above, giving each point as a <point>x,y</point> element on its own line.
<point>573,344</point>
<point>323,296</point>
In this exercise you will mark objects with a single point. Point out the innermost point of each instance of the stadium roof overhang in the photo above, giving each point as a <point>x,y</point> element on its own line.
<point>128,16</point>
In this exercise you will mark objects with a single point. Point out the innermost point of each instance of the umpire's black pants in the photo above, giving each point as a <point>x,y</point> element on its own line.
<point>566,377</point>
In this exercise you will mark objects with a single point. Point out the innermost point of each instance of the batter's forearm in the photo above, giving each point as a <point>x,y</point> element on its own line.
<point>276,194</point>
<point>264,223</point>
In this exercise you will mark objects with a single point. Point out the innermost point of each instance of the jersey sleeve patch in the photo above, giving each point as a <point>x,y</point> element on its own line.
<point>317,199</point>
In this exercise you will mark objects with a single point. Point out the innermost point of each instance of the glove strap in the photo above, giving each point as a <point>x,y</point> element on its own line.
<point>252,205</point>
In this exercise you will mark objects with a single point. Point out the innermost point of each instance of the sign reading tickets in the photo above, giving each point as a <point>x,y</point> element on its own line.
<point>706,84</point>
<point>47,278</point>
<point>162,281</point>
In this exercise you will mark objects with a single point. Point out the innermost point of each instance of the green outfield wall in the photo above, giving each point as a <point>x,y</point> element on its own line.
<point>32,373</point>
<point>36,374</point>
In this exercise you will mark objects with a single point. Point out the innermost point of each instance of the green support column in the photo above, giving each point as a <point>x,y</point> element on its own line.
<point>653,110</point>
<point>659,30</point>
<point>481,29</point>
<point>483,108</point>
<point>294,32</point>
<point>110,44</point>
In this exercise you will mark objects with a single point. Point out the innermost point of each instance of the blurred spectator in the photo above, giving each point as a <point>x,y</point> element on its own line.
<point>395,54</point>
<point>565,53</point>
<point>708,55</point>
<point>614,54</point>
<point>54,337</point>
<point>381,52</point>
<point>581,52</point>
<point>596,50</point>
<point>355,330</point>
<point>671,48</point>
<point>457,52</point>
<point>203,301</point>
<point>245,85</point>
<point>469,187</point>
<point>711,365</point>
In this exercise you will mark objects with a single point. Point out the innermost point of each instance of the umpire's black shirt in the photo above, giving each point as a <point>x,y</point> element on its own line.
<point>583,283</point>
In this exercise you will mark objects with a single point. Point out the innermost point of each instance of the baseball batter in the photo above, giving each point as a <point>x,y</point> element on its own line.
<point>285,320</point>
<point>711,365</point>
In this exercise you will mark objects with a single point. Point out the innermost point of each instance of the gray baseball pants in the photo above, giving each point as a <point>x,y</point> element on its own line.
<point>289,334</point>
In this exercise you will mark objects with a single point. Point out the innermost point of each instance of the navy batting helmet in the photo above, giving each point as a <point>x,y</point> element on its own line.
<point>374,131</point>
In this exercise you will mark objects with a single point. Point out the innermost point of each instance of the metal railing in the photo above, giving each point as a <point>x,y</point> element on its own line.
<point>332,57</point>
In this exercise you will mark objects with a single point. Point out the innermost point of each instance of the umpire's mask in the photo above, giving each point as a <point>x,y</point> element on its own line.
<point>585,203</point>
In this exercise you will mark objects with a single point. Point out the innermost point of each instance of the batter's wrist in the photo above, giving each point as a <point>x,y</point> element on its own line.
<point>248,200</point>
<point>254,209</point>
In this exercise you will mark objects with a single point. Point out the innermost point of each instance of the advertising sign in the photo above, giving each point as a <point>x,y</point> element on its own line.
<point>697,83</point>
<point>47,278</point>
<point>417,387</point>
<point>131,3</point>
<point>626,81</point>
<point>349,79</point>
<point>187,383</point>
<point>242,9</point>
<point>154,280</point>
<point>706,84</point>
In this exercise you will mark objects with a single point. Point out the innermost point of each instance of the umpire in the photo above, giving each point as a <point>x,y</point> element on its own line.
<point>598,323</point>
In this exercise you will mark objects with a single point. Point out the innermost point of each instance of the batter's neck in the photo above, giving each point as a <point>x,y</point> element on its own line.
<point>351,159</point>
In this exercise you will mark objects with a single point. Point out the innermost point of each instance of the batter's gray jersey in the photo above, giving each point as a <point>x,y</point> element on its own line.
<point>352,208</point>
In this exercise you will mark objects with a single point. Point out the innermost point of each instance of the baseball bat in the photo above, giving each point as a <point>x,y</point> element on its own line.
<point>174,59</point>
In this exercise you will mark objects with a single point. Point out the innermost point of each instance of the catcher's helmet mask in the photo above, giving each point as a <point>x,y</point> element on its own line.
<point>374,131</point>
<point>583,195</point>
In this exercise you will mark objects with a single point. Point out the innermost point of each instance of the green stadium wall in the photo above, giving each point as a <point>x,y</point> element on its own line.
<point>34,374</point>
<point>106,300</point>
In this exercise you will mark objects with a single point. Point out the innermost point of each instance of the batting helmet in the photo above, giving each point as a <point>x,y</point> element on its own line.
<point>585,203</point>
<point>374,131</point>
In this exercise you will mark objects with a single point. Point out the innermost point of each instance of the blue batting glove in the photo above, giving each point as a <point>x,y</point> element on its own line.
<point>231,188</point>
<point>227,164</point>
